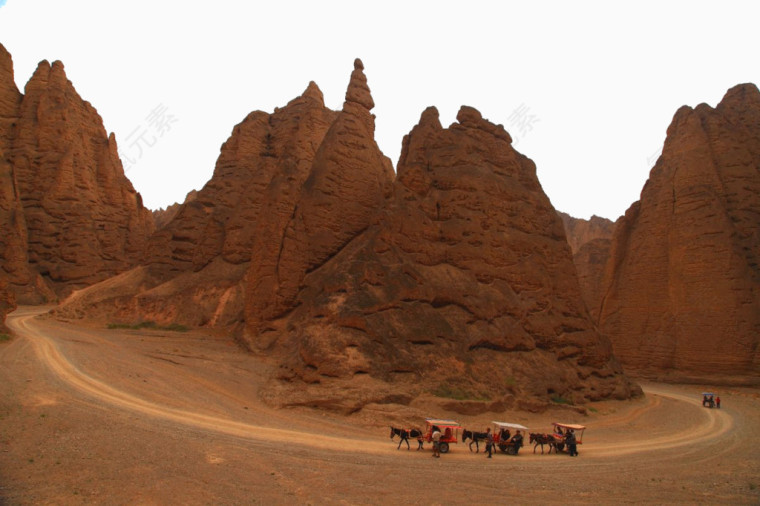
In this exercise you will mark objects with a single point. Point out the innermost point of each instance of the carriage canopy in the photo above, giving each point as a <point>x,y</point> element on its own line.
<point>505,425</point>
<point>449,430</point>
<point>575,427</point>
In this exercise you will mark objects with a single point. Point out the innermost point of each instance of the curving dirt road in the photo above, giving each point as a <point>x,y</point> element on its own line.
<point>123,417</point>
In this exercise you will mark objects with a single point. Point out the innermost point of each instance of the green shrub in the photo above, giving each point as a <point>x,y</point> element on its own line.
<point>4,337</point>
<point>175,327</point>
<point>556,399</point>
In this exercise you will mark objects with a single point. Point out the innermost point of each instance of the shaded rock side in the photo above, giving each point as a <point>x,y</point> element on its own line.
<point>84,220</point>
<point>682,287</point>
<point>589,241</point>
<point>590,264</point>
<point>462,287</point>
<point>580,231</point>
<point>348,182</point>
<point>22,281</point>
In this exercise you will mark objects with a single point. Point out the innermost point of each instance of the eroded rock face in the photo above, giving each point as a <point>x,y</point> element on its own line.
<point>347,183</point>
<point>21,280</point>
<point>82,219</point>
<point>682,288</point>
<point>463,282</point>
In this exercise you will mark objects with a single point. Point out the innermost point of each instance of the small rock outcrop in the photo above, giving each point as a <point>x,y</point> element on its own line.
<point>681,292</point>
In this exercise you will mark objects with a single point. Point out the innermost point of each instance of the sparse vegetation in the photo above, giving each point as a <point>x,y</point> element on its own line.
<point>4,337</point>
<point>556,399</point>
<point>175,327</point>
<point>752,486</point>
<point>460,394</point>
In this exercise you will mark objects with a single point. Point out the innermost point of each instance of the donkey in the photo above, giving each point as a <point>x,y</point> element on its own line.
<point>474,437</point>
<point>543,439</point>
<point>404,435</point>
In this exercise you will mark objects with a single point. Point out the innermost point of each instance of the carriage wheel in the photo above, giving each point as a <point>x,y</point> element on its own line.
<point>503,447</point>
<point>560,447</point>
<point>443,447</point>
<point>512,450</point>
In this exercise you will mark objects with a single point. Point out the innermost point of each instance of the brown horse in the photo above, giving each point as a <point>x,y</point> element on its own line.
<point>543,439</point>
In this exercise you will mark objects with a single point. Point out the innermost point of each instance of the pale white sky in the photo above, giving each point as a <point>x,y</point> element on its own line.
<point>587,89</point>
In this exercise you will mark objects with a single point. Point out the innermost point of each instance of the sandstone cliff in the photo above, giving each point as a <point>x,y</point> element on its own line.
<point>682,288</point>
<point>463,286</point>
<point>79,220</point>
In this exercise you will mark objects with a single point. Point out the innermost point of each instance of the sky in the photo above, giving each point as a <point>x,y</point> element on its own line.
<point>587,89</point>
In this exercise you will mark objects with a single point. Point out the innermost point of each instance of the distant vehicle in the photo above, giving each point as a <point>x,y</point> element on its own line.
<point>449,430</point>
<point>503,433</point>
<point>560,433</point>
<point>708,399</point>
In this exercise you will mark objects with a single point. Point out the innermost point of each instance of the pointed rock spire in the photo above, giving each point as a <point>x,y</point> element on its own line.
<point>313,91</point>
<point>358,90</point>
<point>10,97</point>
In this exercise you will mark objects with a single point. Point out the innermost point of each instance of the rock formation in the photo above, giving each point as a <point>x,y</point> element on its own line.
<point>580,231</point>
<point>462,286</point>
<point>457,275</point>
<point>162,217</point>
<point>590,242</point>
<point>682,287</point>
<point>74,218</point>
<point>347,184</point>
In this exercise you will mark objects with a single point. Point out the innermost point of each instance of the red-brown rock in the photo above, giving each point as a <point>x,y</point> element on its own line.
<point>580,231</point>
<point>21,280</point>
<point>84,221</point>
<point>682,288</point>
<point>462,285</point>
<point>348,181</point>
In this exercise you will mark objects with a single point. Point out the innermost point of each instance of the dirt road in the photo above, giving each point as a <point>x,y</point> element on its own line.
<point>95,416</point>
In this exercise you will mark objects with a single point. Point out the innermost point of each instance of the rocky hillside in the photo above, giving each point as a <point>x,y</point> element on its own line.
<point>681,292</point>
<point>454,279</point>
<point>462,287</point>
<point>74,219</point>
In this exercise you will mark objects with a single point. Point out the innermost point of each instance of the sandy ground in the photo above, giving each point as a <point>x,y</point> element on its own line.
<point>97,416</point>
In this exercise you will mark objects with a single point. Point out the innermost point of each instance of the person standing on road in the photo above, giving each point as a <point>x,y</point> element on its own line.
<point>489,442</point>
<point>717,402</point>
<point>436,442</point>
<point>571,443</point>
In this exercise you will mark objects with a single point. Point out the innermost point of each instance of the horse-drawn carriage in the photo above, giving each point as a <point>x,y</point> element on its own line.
<point>504,439</point>
<point>449,430</point>
<point>561,431</point>
<point>708,400</point>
